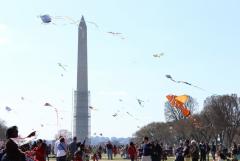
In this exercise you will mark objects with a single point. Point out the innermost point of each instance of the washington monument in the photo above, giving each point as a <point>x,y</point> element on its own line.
<point>81,122</point>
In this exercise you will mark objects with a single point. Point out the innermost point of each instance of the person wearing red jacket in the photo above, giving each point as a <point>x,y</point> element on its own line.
<point>132,152</point>
<point>40,151</point>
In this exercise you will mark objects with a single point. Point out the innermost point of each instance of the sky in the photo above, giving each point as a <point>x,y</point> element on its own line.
<point>199,39</point>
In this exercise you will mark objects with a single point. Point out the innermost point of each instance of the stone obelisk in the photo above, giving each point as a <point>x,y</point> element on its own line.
<point>81,122</point>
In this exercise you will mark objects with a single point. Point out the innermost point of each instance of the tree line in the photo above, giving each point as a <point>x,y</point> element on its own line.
<point>218,121</point>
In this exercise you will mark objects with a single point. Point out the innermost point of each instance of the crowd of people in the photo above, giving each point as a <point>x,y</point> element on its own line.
<point>146,151</point>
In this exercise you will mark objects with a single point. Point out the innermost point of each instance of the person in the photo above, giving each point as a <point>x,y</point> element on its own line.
<point>194,151</point>
<point>238,151</point>
<point>78,155</point>
<point>1,152</point>
<point>109,150</point>
<point>115,150</point>
<point>40,151</point>
<point>179,153</point>
<point>56,145</point>
<point>162,153</point>
<point>207,150</point>
<point>147,150</point>
<point>12,152</point>
<point>61,150</point>
<point>203,151</point>
<point>140,150</point>
<point>158,150</point>
<point>213,150</point>
<point>95,154</point>
<point>234,152</point>
<point>154,152</point>
<point>126,152</point>
<point>49,148</point>
<point>220,156</point>
<point>73,148</point>
<point>186,151</point>
<point>100,150</point>
<point>132,152</point>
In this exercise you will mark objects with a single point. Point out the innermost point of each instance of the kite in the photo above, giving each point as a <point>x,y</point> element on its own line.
<point>92,108</point>
<point>179,103</point>
<point>117,34</point>
<point>31,134</point>
<point>46,18</point>
<point>93,23</point>
<point>129,114</point>
<point>24,140</point>
<point>48,104</point>
<point>8,109</point>
<point>184,82</point>
<point>62,66</point>
<point>182,98</point>
<point>22,98</point>
<point>114,115</point>
<point>158,55</point>
<point>140,102</point>
<point>114,33</point>
<point>55,109</point>
<point>120,100</point>
<point>132,116</point>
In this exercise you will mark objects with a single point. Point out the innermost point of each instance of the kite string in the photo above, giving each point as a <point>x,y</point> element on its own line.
<point>57,117</point>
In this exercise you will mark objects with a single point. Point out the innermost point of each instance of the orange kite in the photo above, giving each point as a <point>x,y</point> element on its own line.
<point>179,103</point>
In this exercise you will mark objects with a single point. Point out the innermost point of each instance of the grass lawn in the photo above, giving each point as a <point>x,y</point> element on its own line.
<point>117,158</point>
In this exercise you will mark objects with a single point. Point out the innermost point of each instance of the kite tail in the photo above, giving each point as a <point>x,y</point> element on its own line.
<point>203,89</point>
<point>57,117</point>
<point>93,23</point>
<point>67,18</point>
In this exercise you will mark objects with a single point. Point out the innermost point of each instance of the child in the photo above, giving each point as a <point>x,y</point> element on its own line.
<point>78,156</point>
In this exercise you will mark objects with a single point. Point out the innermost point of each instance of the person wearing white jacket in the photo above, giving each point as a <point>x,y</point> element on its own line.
<point>61,150</point>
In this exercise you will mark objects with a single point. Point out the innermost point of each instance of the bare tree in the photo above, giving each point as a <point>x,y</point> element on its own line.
<point>224,114</point>
<point>155,131</point>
